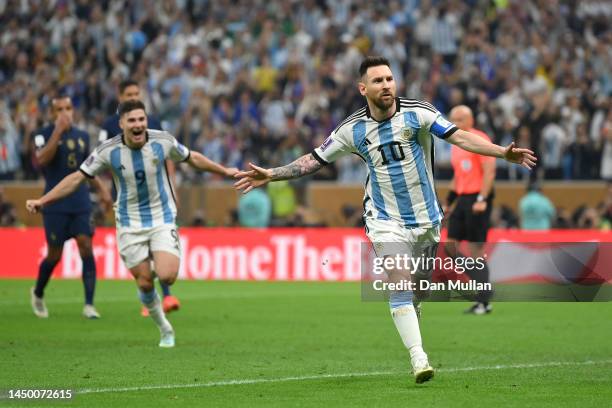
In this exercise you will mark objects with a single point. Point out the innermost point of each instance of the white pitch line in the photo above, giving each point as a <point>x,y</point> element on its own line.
<point>119,299</point>
<point>339,375</point>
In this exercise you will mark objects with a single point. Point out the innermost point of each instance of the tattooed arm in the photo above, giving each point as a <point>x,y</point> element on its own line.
<point>258,176</point>
<point>302,166</point>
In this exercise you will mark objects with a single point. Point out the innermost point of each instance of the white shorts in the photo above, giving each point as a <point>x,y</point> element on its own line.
<point>135,246</point>
<point>391,238</point>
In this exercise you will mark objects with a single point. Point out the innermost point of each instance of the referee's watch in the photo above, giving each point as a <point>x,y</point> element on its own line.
<point>480,198</point>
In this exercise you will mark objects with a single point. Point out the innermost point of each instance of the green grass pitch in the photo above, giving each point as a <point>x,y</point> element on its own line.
<point>299,344</point>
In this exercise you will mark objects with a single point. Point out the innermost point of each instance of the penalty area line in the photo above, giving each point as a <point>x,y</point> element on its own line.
<point>332,376</point>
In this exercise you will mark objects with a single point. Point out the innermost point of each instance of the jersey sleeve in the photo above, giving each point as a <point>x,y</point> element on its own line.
<point>102,135</point>
<point>438,125</point>
<point>335,146</point>
<point>94,164</point>
<point>178,152</point>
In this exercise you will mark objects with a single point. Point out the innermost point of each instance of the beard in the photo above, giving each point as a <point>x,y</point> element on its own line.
<point>138,131</point>
<point>383,104</point>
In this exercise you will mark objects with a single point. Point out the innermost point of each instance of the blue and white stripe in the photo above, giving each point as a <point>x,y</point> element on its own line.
<point>401,190</point>
<point>144,195</point>
<point>398,153</point>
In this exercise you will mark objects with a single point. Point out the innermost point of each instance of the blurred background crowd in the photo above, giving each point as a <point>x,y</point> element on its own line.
<point>266,80</point>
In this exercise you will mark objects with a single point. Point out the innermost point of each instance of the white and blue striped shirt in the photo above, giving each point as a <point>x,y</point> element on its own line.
<point>144,194</point>
<point>399,155</point>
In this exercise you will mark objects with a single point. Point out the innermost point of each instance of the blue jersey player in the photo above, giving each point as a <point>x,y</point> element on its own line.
<point>129,90</point>
<point>61,148</point>
<point>393,136</point>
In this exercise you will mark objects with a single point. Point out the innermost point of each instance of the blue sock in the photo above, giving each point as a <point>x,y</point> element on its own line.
<point>44,274</point>
<point>147,297</point>
<point>165,288</point>
<point>400,298</point>
<point>89,278</point>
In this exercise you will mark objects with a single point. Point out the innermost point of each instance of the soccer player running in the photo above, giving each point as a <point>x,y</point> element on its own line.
<point>129,90</point>
<point>394,138</point>
<point>145,211</point>
<point>470,201</point>
<point>61,147</point>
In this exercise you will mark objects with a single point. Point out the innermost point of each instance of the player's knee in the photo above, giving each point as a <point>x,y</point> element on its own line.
<point>53,255</point>
<point>145,284</point>
<point>402,276</point>
<point>53,259</point>
<point>168,280</point>
<point>85,247</point>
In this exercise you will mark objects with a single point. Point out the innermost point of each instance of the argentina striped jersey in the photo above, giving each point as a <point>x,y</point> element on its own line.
<point>144,194</point>
<point>398,153</point>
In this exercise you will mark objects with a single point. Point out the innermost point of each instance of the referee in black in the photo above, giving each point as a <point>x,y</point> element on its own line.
<point>470,203</point>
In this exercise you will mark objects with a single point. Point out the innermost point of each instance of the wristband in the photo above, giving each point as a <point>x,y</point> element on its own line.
<point>480,198</point>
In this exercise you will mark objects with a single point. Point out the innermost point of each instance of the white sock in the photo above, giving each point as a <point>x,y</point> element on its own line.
<point>407,326</point>
<point>153,304</point>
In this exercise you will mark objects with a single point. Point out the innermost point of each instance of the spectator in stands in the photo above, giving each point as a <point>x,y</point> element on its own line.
<point>585,156</point>
<point>8,214</point>
<point>263,66</point>
<point>536,210</point>
<point>255,210</point>
<point>606,159</point>
<point>589,219</point>
<point>10,162</point>
<point>563,219</point>
<point>199,219</point>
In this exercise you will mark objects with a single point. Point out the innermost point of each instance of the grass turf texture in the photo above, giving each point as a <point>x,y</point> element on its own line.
<point>235,331</point>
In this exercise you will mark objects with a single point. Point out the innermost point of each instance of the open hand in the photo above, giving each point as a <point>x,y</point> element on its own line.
<point>231,172</point>
<point>250,179</point>
<point>524,157</point>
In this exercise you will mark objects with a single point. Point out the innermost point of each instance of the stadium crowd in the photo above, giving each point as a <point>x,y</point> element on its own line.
<point>266,81</point>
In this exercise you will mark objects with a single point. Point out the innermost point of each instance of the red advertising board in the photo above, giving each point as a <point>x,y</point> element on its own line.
<point>321,254</point>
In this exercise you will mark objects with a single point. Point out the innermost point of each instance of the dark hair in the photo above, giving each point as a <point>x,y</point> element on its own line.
<point>125,83</point>
<point>129,106</point>
<point>59,96</point>
<point>372,61</point>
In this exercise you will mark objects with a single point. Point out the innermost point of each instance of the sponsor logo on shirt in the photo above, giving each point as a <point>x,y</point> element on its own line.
<point>326,143</point>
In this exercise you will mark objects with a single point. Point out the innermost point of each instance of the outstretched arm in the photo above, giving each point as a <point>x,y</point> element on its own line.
<point>203,163</point>
<point>259,176</point>
<point>472,143</point>
<point>65,187</point>
<point>302,166</point>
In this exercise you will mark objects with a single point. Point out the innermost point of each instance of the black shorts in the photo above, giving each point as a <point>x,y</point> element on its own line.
<point>61,227</point>
<point>464,224</point>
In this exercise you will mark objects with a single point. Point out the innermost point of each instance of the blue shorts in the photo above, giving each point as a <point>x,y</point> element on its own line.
<point>61,227</point>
